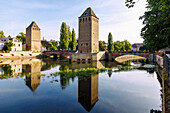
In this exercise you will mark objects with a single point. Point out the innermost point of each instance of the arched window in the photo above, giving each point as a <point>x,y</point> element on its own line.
<point>80,20</point>
<point>83,19</point>
<point>89,19</point>
<point>86,19</point>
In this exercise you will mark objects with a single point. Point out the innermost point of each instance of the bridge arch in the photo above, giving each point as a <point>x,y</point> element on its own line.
<point>123,58</point>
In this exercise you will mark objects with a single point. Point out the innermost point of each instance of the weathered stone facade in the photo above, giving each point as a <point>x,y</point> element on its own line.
<point>88,45</point>
<point>88,32</point>
<point>33,37</point>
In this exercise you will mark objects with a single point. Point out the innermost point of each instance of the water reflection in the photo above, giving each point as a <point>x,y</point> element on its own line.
<point>88,86</point>
<point>88,91</point>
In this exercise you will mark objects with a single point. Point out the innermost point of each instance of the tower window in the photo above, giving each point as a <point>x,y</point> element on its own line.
<point>89,18</point>
<point>83,19</point>
<point>80,20</point>
<point>86,19</point>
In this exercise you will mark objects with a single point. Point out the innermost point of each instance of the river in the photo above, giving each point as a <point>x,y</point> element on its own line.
<point>33,86</point>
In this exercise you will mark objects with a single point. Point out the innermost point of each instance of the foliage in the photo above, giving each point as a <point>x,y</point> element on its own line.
<point>130,3</point>
<point>64,41</point>
<point>74,41</point>
<point>2,34</point>
<point>156,28</point>
<point>7,70</point>
<point>22,37</point>
<point>128,45</point>
<point>143,48</point>
<point>110,42</point>
<point>119,46</point>
<point>54,45</point>
<point>7,46</point>
<point>69,37</point>
<point>102,46</point>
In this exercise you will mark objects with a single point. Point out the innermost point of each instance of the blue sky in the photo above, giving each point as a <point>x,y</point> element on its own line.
<point>114,17</point>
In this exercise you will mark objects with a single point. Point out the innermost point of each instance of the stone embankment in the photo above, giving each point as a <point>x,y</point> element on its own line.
<point>19,54</point>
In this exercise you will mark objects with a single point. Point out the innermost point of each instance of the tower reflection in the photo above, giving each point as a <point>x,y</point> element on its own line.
<point>88,91</point>
<point>33,75</point>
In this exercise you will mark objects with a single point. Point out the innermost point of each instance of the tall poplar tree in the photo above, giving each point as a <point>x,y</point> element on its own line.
<point>74,41</point>
<point>110,42</point>
<point>69,37</point>
<point>64,41</point>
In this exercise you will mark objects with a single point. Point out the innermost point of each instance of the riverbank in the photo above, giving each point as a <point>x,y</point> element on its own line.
<point>19,54</point>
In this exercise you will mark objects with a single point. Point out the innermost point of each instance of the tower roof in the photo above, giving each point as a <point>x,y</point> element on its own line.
<point>33,24</point>
<point>88,12</point>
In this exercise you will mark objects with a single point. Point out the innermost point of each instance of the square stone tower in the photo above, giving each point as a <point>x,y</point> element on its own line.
<point>33,37</point>
<point>88,32</point>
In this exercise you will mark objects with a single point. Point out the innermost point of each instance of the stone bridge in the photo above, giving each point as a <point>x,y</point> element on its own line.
<point>112,55</point>
<point>58,54</point>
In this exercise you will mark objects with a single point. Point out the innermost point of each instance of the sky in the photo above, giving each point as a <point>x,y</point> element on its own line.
<point>114,17</point>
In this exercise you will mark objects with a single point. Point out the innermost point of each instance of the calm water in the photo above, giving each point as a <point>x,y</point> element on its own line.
<point>28,86</point>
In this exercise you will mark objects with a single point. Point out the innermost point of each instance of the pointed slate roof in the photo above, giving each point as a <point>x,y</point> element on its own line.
<point>88,12</point>
<point>31,25</point>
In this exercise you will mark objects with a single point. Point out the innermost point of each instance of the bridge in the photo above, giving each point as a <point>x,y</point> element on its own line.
<point>111,56</point>
<point>58,54</point>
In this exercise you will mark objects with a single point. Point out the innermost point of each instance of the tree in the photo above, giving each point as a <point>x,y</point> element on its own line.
<point>119,46</point>
<point>110,42</point>
<point>64,41</point>
<point>128,45</point>
<point>69,38</point>
<point>102,46</point>
<point>156,28</point>
<point>7,46</point>
<point>54,45</point>
<point>74,41</point>
<point>21,37</point>
<point>2,34</point>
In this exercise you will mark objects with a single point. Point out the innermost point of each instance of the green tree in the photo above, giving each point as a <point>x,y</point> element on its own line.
<point>110,42</point>
<point>54,45</point>
<point>102,46</point>
<point>7,46</point>
<point>2,34</point>
<point>128,45</point>
<point>119,46</point>
<point>64,41</point>
<point>21,37</point>
<point>69,37</point>
<point>74,41</point>
<point>156,30</point>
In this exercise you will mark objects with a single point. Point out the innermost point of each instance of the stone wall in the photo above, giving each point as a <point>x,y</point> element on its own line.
<point>88,56</point>
<point>16,54</point>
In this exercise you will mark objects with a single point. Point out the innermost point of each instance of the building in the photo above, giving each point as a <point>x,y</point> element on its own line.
<point>88,32</point>
<point>33,38</point>
<point>136,46</point>
<point>88,44</point>
<point>17,44</point>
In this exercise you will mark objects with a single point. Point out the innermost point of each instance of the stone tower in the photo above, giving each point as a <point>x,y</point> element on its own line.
<point>88,32</point>
<point>33,37</point>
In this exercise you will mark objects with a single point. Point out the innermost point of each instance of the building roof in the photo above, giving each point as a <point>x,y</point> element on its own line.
<point>88,12</point>
<point>137,45</point>
<point>33,24</point>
